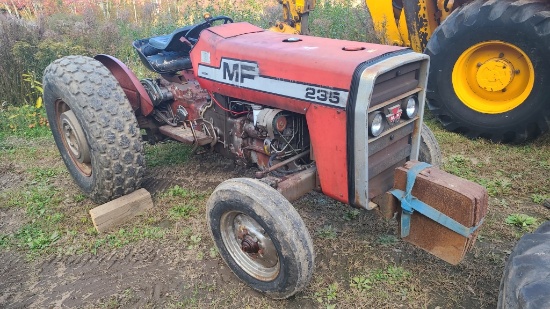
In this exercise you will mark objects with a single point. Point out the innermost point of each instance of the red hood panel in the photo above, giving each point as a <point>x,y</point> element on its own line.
<point>252,61</point>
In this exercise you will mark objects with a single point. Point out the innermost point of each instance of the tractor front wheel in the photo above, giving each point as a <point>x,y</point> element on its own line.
<point>94,127</point>
<point>261,237</point>
<point>489,70</point>
<point>429,148</point>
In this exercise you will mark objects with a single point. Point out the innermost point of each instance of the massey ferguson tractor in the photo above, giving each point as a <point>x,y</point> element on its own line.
<point>308,113</point>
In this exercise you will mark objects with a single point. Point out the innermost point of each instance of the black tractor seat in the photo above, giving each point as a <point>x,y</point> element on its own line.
<point>168,54</point>
<point>163,61</point>
<point>174,41</point>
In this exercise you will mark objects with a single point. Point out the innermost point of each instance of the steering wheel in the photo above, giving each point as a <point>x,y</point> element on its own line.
<point>193,34</point>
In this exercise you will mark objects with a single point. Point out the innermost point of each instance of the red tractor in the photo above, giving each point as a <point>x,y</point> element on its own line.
<point>309,113</point>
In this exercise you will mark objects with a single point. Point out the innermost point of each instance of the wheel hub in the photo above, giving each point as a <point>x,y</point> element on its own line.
<point>495,74</point>
<point>74,137</point>
<point>249,245</point>
<point>493,77</point>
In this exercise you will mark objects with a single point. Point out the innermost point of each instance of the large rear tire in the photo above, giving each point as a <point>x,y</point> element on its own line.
<point>526,280</point>
<point>94,127</point>
<point>490,70</point>
<point>261,237</point>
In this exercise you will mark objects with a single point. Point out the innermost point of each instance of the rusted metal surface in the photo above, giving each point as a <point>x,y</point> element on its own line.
<point>190,95</point>
<point>260,174</point>
<point>136,94</point>
<point>249,245</point>
<point>395,82</point>
<point>297,185</point>
<point>389,156</point>
<point>185,135</point>
<point>458,198</point>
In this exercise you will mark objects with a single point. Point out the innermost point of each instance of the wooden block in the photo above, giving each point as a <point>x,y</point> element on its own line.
<point>458,198</point>
<point>120,210</point>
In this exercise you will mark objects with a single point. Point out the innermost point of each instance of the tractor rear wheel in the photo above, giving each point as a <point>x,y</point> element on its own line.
<point>94,127</point>
<point>489,70</point>
<point>526,279</point>
<point>261,237</point>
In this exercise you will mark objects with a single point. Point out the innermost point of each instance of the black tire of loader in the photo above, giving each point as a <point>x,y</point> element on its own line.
<point>93,94</point>
<point>526,24</point>
<point>280,221</point>
<point>429,148</point>
<point>526,280</point>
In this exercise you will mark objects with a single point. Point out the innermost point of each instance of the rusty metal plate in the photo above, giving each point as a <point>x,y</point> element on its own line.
<point>458,198</point>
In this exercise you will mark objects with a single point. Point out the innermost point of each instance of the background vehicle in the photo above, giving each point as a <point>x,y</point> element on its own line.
<point>343,127</point>
<point>488,61</point>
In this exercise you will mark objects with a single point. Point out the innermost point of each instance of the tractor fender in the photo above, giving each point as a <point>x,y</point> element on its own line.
<point>136,94</point>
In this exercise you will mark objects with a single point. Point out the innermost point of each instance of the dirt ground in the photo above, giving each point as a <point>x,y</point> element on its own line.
<point>168,273</point>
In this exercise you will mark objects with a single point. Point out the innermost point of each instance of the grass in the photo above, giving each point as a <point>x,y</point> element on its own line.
<point>521,220</point>
<point>167,153</point>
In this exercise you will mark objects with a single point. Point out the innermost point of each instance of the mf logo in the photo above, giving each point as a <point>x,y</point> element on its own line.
<point>239,72</point>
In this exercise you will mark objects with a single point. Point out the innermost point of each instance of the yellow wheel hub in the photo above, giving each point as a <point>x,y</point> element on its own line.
<point>493,77</point>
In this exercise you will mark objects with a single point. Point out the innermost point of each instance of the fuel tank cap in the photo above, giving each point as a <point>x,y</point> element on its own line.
<point>292,40</point>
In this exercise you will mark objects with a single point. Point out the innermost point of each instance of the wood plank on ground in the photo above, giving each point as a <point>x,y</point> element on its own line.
<point>120,210</point>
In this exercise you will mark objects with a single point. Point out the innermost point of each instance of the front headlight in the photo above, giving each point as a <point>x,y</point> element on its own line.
<point>376,123</point>
<point>410,106</point>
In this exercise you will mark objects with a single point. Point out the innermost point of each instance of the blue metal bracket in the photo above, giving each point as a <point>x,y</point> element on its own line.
<point>409,204</point>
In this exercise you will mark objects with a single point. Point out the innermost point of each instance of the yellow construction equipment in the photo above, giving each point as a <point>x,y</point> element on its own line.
<point>489,63</point>
<point>295,15</point>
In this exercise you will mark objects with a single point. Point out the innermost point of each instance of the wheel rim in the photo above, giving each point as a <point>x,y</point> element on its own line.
<point>493,77</point>
<point>73,138</point>
<point>249,245</point>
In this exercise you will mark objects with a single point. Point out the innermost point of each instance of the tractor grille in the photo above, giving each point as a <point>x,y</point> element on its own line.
<point>393,147</point>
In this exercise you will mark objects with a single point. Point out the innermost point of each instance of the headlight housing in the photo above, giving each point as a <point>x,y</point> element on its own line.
<point>376,124</point>
<point>410,107</point>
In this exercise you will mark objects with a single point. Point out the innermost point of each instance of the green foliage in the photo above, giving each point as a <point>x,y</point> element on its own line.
<point>342,20</point>
<point>35,238</point>
<point>37,200</point>
<point>79,197</point>
<point>361,283</point>
<point>182,211</point>
<point>539,198</point>
<point>327,232</point>
<point>123,237</point>
<point>25,121</point>
<point>393,276</point>
<point>351,214</point>
<point>36,90</point>
<point>387,240</point>
<point>169,153</point>
<point>4,241</point>
<point>328,295</point>
<point>520,220</point>
<point>44,174</point>
<point>194,241</point>
<point>177,191</point>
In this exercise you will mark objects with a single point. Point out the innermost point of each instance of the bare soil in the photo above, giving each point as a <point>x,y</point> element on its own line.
<point>167,273</point>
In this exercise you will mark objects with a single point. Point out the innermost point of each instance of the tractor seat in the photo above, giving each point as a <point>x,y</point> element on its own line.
<point>162,61</point>
<point>172,42</point>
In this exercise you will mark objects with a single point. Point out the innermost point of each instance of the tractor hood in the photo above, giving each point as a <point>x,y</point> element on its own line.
<point>288,71</point>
